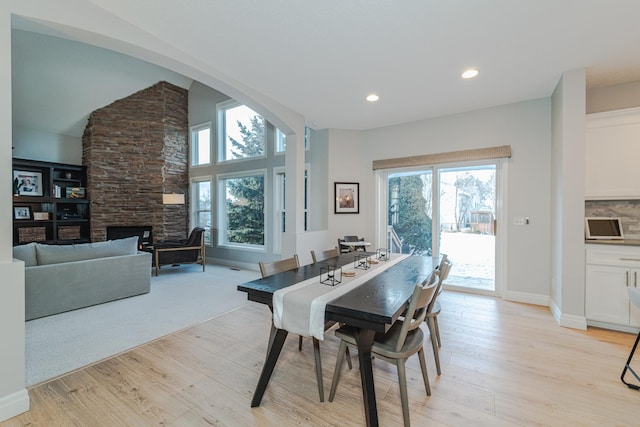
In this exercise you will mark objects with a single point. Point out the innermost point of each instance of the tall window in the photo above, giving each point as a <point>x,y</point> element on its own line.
<point>201,190</point>
<point>281,141</point>
<point>241,201</point>
<point>280,184</point>
<point>241,132</point>
<point>201,144</point>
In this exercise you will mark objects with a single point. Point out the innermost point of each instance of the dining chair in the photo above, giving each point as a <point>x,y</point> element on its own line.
<point>324,255</point>
<point>634,296</point>
<point>355,239</point>
<point>269,269</point>
<point>404,339</point>
<point>434,309</point>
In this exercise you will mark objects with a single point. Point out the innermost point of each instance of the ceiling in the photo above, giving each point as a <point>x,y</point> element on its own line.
<point>321,58</point>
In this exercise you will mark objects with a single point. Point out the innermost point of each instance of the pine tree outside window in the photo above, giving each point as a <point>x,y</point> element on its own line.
<point>241,198</point>
<point>241,132</point>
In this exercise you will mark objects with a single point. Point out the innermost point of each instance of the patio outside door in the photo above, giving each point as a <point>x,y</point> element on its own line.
<point>459,221</point>
<point>467,224</point>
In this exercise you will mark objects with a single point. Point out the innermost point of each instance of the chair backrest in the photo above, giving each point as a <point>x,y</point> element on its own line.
<point>442,271</point>
<point>196,237</point>
<point>324,255</point>
<point>352,239</point>
<point>445,267</point>
<point>423,294</point>
<point>270,268</point>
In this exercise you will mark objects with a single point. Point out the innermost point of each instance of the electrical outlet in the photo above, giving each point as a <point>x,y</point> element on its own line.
<point>518,220</point>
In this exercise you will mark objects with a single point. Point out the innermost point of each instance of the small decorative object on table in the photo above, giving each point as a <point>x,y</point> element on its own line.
<point>331,274</point>
<point>362,262</point>
<point>382,254</point>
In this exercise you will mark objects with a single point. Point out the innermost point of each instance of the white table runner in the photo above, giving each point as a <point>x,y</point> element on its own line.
<point>300,308</point>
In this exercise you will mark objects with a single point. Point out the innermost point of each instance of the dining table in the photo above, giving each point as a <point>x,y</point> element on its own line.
<point>371,307</point>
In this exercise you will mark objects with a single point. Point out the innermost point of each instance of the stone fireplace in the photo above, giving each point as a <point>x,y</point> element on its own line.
<point>136,150</point>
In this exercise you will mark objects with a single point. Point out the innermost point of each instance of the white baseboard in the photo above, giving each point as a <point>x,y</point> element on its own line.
<point>237,264</point>
<point>568,320</point>
<point>527,298</point>
<point>14,404</point>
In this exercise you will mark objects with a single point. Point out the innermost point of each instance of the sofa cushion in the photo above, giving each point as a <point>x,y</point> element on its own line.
<point>26,253</point>
<point>56,254</point>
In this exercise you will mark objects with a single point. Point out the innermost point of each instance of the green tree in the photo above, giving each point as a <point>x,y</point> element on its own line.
<point>245,196</point>
<point>408,214</point>
<point>252,144</point>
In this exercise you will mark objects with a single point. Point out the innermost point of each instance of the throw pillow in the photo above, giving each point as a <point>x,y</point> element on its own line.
<point>26,253</point>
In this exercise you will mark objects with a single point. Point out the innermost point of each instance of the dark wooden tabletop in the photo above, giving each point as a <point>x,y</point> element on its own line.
<point>262,290</point>
<point>376,304</point>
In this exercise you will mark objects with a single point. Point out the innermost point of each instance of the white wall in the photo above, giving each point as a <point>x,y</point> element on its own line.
<point>567,253</point>
<point>526,127</point>
<point>13,394</point>
<point>87,23</point>
<point>34,144</point>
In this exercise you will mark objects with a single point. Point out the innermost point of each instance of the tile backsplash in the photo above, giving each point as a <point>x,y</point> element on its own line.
<point>627,210</point>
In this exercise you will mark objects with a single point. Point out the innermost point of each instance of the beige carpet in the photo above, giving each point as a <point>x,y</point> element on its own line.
<point>180,297</point>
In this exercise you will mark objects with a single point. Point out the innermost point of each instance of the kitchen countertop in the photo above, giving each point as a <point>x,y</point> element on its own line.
<point>624,242</point>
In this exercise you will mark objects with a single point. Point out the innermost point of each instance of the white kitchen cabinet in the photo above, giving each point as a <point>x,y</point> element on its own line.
<point>610,270</point>
<point>612,150</point>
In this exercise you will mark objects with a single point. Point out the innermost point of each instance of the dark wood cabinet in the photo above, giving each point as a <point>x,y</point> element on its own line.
<point>50,204</point>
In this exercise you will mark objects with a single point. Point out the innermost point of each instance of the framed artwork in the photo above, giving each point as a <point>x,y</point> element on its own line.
<point>27,183</point>
<point>347,197</point>
<point>21,212</point>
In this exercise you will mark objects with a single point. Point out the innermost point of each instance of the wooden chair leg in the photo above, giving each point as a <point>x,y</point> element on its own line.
<point>316,353</point>
<point>425,375</point>
<point>402,380</point>
<point>434,343</point>
<point>336,372</point>
<point>348,357</point>
<point>300,343</point>
<point>435,321</point>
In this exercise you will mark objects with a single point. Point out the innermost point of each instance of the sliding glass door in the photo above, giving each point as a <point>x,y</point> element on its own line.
<point>467,221</point>
<point>447,210</point>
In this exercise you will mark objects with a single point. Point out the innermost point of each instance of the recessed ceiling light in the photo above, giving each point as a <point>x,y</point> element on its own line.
<point>372,97</point>
<point>469,73</point>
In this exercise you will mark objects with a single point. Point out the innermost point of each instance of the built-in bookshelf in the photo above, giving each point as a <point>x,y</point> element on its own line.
<point>49,203</point>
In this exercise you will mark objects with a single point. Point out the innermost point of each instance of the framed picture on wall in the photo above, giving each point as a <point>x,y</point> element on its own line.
<point>347,198</point>
<point>27,183</point>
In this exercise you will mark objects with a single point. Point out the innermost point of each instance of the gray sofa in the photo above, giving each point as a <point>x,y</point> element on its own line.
<point>61,278</point>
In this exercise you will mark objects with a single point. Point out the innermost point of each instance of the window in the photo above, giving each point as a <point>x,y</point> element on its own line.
<point>201,144</point>
<point>281,141</point>
<point>201,190</point>
<point>280,183</point>
<point>241,132</point>
<point>241,201</point>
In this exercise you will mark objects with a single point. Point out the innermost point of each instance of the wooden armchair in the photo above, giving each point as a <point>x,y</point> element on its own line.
<point>173,252</point>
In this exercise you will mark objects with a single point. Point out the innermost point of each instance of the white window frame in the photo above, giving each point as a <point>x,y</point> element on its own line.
<point>280,136</point>
<point>222,211</point>
<point>221,108</point>
<point>195,204</point>
<point>195,146</point>
<point>278,206</point>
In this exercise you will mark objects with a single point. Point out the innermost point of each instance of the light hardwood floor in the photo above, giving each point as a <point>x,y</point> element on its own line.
<point>503,364</point>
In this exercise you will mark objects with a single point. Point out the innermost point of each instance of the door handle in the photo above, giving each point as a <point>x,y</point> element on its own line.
<point>626,278</point>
